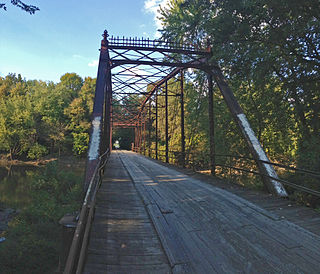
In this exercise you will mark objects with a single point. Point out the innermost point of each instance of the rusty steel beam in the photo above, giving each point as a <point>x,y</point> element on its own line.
<point>108,106</point>
<point>167,126</point>
<point>158,84</point>
<point>149,129</point>
<point>94,149</point>
<point>144,136</point>
<point>140,136</point>
<point>254,145</point>
<point>156,124</point>
<point>211,125</point>
<point>196,65</point>
<point>158,49</point>
<point>135,138</point>
<point>118,125</point>
<point>183,142</point>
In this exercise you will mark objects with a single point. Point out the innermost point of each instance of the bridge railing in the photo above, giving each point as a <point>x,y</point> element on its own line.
<point>285,167</point>
<point>77,252</point>
<point>200,161</point>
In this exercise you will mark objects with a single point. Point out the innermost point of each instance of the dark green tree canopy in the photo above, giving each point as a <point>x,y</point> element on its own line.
<point>259,43</point>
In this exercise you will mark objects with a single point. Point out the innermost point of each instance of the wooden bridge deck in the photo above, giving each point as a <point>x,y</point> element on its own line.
<point>153,219</point>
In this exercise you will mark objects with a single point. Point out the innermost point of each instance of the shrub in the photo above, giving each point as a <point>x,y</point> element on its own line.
<point>37,151</point>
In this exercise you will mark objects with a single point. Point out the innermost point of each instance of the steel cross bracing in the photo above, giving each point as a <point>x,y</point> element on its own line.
<point>134,72</point>
<point>138,65</point>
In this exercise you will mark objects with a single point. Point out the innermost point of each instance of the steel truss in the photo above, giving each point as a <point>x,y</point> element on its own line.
<point>131,74</point>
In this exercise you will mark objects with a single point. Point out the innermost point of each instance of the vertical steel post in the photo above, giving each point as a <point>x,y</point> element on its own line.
<point>183,144</point>
<point>137,141</point>
<point>140,134</point>
<point>110,121</point>
<point>211,125</point>
<point>108,97</point>
<point>254,145</point>
<point>135,138</point>
<point>166,113</point>
<point>98,116</point>
<point>149,129</point>
<point>156,124</point>
<point>144,133</point>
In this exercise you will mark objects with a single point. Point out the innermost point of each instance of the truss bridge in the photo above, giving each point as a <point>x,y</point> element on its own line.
<point>147,211</point>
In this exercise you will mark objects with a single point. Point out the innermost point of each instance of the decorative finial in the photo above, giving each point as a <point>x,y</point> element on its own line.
<point>105,35</point>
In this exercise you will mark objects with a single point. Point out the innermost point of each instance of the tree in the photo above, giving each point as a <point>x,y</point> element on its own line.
<point>28,8</point>
<point>79,114</point>
<point>37,118</point>
<point>258,43</point>
<point>17,133</point>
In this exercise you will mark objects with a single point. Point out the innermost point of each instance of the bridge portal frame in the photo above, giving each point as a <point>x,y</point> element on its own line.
<point>178,57</point>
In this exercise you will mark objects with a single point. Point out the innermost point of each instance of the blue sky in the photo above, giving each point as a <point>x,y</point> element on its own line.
<point>64,36</point>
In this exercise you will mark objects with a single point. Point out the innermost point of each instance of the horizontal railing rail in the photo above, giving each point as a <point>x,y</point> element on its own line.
<point>203,156</point>
<point>77,252</point>
<point>293,185</point>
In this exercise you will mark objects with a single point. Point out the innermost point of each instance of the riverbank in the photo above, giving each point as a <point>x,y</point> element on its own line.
<point>5,161</point>
<point>30,242</point>
<point>64,161</point>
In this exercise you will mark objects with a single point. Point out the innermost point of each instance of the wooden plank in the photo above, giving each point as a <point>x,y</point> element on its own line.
<point>213,223</point>
<point>127,246</point>
<point>123,239</point>
<point>121,259</point>
<point>199,257</point>
<point>170,240</point>
<point>286,259</point>
<point>132,269</point>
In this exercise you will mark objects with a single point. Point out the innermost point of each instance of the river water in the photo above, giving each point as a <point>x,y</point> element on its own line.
<point>14,182</point>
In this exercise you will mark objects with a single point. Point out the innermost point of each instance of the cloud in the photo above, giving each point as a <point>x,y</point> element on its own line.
<point>93,63</point>
<point>152,6</point>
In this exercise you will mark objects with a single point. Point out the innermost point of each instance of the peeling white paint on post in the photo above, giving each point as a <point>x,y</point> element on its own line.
<point>278,187</point>
<point>95,139</point>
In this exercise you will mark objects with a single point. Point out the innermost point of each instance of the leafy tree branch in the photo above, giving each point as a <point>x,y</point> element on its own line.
<point>28,8</point>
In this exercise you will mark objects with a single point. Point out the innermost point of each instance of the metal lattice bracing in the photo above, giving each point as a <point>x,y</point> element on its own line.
<point>138,65</point>
<point>130,74</point>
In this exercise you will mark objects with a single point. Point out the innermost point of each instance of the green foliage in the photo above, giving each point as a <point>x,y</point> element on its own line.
<point>269,51</point>
<point>125,136</point>
<point>16,118</point>
<point>33,240</point>
<point>37,151</point>
<point>80,142</point>
<point>78,113</point>
<point>37,118</point>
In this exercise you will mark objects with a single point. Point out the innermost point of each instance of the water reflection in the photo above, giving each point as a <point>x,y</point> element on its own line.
<point>14,182</point>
